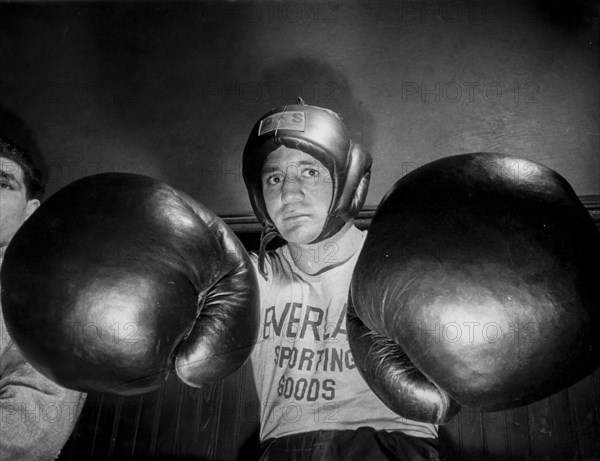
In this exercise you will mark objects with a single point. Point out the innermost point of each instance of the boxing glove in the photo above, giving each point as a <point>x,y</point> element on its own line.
<point>478,286</point>
<point>118,279</point>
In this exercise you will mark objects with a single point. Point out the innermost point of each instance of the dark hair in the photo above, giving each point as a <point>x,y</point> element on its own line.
<point>34,182</point>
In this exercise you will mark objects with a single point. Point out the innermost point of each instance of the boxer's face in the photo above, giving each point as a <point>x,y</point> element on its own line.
<point>14,206</point>
<point>297,190</point>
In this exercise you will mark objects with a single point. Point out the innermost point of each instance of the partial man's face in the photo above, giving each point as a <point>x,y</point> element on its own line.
<point>14,206</point>
<point>297,190</point>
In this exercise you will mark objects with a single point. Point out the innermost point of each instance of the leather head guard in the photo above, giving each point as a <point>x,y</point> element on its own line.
<point>321,134</point>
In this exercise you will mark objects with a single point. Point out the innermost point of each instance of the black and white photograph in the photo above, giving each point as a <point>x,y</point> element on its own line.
<point>330,230</point>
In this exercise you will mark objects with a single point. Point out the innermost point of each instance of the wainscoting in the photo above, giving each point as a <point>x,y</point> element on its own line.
<point>220,421</point>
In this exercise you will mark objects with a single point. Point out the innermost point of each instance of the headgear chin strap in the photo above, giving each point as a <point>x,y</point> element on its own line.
<point>322,134</point>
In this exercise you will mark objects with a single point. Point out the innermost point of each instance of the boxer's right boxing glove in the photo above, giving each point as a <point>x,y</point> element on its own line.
<point>394,378</point>
<point>477,284</point>
<point>118,279</point>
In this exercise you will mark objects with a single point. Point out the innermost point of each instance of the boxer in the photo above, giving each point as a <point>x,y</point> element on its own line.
<point>460,243</point>
<point>307,180</point>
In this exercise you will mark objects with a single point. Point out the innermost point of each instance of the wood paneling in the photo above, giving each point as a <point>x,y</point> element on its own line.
<point>564,426</point>
<point>178,422</point>
<point>220,421</point>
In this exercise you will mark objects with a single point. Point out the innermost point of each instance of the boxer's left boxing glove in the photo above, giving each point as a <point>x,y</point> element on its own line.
<point>477,284</point>
<point>118,279</point>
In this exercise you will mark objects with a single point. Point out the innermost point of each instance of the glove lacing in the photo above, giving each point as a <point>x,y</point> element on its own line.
<point>268,233</point>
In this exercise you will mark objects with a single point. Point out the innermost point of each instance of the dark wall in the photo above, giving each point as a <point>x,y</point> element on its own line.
<point>171,90</point>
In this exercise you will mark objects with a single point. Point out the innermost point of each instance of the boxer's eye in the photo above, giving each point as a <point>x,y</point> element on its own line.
<point>273,179</point>
<point>311,173</point>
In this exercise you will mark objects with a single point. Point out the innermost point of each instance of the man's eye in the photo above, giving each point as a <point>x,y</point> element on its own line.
<point>5,185</point>
<point>273,179</point>
<point>311,172</point>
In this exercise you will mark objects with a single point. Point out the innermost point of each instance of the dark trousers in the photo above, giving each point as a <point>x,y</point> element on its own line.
<point>362,444</point>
